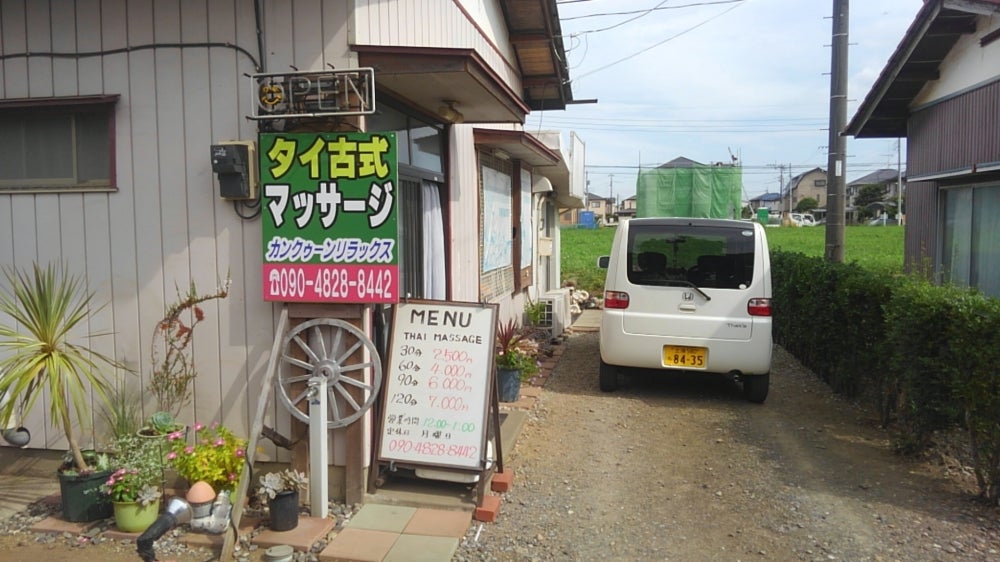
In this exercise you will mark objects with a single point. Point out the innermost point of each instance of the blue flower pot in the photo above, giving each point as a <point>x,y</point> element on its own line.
<point>509,384</point>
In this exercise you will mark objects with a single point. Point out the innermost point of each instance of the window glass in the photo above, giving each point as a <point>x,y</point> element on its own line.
<point>92,152</point>
<point>59,147</point>
<point>48,148</point>
<point>671,255</point>
<point>426,145</point>
<point>11,149</point>
<point>956,257</point>
<point>986,232</point>
<point>389,119</point>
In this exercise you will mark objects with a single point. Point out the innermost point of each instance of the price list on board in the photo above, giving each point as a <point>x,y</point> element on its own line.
<point>437,384</point>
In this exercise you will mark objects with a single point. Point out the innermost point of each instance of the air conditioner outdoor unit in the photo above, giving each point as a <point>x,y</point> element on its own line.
<point>557,314</point>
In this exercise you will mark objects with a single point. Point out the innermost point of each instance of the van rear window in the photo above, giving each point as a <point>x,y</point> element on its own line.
<point>707,256</point>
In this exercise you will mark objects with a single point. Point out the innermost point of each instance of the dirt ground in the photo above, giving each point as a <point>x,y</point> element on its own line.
<point>682,468</point>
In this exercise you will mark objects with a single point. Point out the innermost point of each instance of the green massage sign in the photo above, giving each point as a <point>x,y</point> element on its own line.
<point>330,217</point>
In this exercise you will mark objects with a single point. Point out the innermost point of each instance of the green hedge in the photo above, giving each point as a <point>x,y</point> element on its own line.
<point>925,357</point>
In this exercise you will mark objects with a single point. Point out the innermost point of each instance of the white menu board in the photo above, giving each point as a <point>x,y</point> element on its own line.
<point>436,393</point>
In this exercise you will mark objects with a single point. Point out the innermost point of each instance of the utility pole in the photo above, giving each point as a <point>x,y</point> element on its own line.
<point>781,183</point>
<point>612,193</point>
<point>836,163</point>
<point>790,189</point>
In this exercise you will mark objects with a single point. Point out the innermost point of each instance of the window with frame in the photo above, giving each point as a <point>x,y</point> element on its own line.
<point>420,149</point>
<point>971,227</point>
<point>57,144</point>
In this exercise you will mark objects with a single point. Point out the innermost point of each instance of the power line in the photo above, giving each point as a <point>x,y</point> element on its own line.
<point>658,7</point>
<point>657,44</point>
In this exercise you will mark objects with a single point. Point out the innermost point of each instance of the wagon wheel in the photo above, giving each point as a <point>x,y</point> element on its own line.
<point>330,345</point>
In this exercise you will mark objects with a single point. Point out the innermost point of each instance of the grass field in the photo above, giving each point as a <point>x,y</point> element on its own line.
<point>872,247</point>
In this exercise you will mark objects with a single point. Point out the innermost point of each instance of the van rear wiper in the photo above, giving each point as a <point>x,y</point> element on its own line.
<point>682,283</point>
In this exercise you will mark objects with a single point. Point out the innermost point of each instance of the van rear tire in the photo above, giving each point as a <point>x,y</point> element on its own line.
<point>608,377</point>
<point>755,387</point>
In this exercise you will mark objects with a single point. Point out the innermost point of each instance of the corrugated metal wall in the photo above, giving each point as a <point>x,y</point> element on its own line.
<point>955,134</point>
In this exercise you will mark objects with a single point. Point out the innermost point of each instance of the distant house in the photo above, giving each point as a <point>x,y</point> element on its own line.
<point>770,201</point>
<point>940,90</point>
<point>809,184</point>
<point>626,209</point>
<point>887,178</point>
<point>602,207</point>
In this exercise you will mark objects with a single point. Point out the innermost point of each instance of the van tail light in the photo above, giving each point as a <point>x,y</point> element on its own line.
<point>615,299</point>
<point>759,307</point>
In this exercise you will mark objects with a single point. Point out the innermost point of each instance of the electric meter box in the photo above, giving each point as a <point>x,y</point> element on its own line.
<point>235,164</point>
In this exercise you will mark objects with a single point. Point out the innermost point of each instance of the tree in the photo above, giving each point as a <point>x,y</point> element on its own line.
<point>805,205</point>
<point>869,194</point>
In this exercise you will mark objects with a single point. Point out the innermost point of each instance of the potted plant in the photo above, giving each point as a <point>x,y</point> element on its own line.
<point>279,491</point>
<point>48,306</point>
<point>134,486</point>
<point>79,490</point>
<point>173,365</point>
<point>160,424</point>
<point>515,360</point>
<point>122,412</point>
<point>216,457</point>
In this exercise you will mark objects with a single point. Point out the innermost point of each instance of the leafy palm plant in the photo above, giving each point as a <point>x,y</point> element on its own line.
<point>47,305</point>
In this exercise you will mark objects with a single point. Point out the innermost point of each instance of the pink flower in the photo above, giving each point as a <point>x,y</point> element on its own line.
<point>189,449</point>
<point>220,442</point>
<point>171,456</point>
<point>232,476</point>
<point>199,426</point>
<point>240,453</point>
<point>175,435</point>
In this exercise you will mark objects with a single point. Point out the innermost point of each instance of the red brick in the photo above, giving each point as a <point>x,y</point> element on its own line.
<point>502,481</point>
<point>487,512</point>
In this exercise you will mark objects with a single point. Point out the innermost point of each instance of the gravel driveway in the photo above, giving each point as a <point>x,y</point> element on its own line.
<point>682,468</point>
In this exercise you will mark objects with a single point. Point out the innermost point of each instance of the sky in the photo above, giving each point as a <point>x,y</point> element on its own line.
<point>712,79</point>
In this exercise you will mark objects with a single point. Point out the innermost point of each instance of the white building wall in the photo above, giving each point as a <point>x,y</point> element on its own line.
<point>166,225</point>
<point>968,64</point>
<point>463,213</point>
<point>440,23</point>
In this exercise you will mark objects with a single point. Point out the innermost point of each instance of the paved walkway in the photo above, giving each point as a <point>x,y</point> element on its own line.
<point>418,522</point>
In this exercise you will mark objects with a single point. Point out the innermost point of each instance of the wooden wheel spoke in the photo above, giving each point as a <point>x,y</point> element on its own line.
<point>347,397</point>
<point>325,347</point>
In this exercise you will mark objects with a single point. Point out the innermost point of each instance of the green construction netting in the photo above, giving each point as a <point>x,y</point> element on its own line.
<point>696,191</point>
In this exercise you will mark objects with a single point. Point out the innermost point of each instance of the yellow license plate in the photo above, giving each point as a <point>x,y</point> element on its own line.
<point>683,356</point>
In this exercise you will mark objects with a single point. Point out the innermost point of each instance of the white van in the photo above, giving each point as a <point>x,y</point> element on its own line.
<point>687,294</point>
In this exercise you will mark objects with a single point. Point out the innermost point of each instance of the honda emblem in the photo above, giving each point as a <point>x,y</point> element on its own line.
<point>687,296</point>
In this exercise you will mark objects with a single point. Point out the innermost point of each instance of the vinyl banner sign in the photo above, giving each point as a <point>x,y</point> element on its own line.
<point>329,217</point>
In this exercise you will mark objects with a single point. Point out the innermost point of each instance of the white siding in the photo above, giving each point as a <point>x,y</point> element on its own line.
<point>463,175</point>
<point>966,65</point>
<point>165,226</point>
<point>457,24</point>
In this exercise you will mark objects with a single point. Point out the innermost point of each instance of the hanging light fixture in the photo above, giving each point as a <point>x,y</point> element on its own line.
<point>448,112</point>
